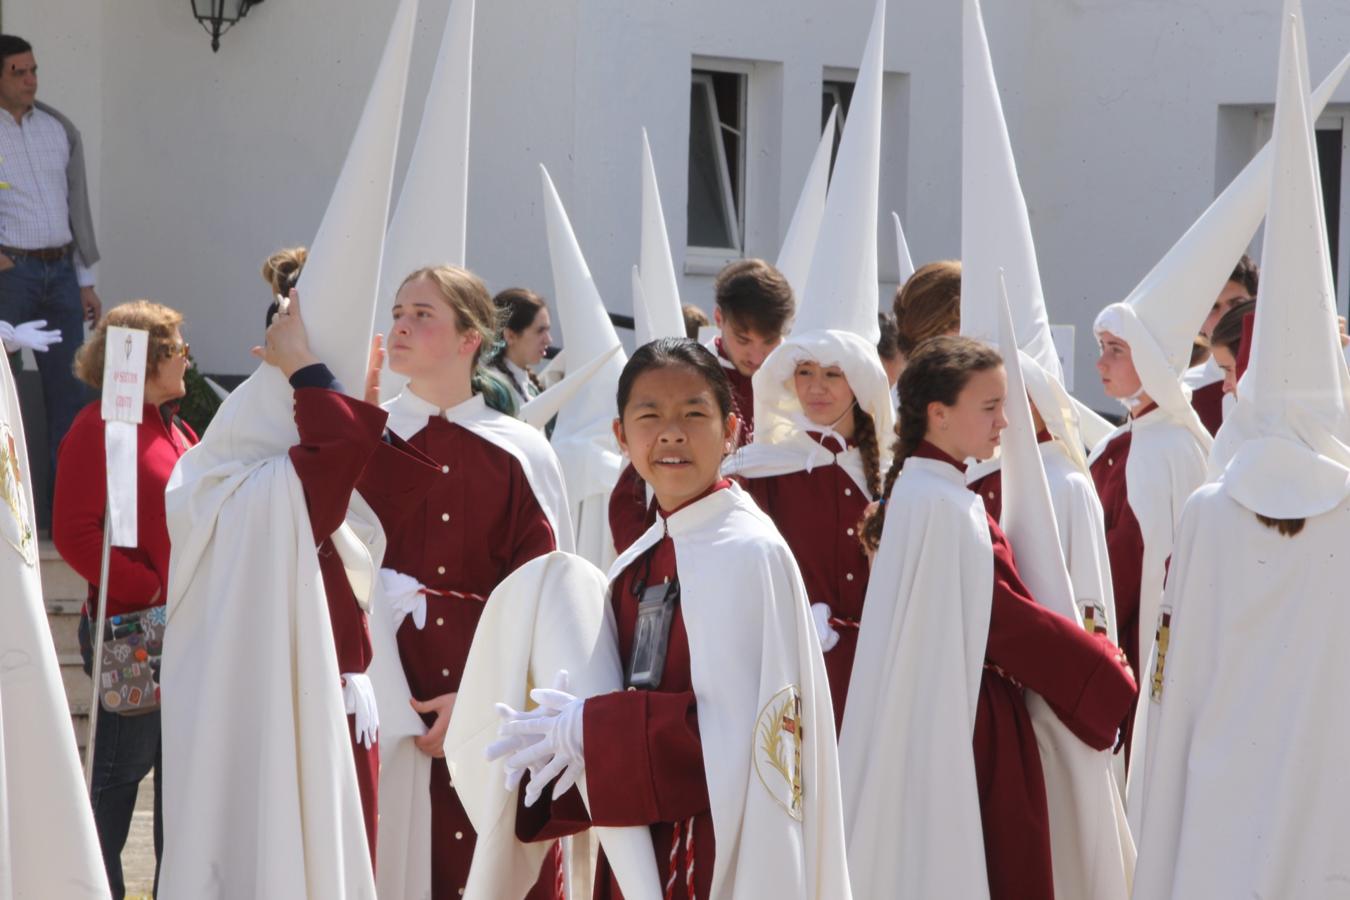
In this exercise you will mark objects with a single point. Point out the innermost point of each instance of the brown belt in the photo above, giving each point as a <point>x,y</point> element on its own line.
<point>46,254</point>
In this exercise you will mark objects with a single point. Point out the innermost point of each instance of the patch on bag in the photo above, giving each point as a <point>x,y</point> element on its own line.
<point>1160,655</point>
<point>16,526</point>
<point>778,749</point>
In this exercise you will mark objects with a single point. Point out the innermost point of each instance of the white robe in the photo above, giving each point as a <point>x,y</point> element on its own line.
<point>1164,467</point>
<point>911,804</point>
<point>48,846</point>
<point>260,791</point>
<point>1247,786</point>
<point>1082,531</point>
<point>751,640</point>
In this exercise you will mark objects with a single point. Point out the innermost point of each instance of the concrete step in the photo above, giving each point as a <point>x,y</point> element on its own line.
<point>59,581</point>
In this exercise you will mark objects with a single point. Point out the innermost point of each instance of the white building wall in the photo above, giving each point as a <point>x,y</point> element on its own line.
<point>203,163</point>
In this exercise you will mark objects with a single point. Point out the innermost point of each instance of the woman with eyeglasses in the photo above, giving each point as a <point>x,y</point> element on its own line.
<point>128,745</point>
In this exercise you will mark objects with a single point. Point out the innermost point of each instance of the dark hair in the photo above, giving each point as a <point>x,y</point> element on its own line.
<point>1227,332</point>
<point>668,352</point>
<point>12,45</point>
<point>1286,527</point>
<point>1247,274</point>
<point>937,373</point>
<point>889,344</point>
<point>928,304</point>
<point>694,319</point>
<point>755,295</point>
<point>517,308</point>
<point>869,448</point>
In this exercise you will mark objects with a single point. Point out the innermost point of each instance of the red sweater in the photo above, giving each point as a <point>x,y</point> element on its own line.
<point>137,577</point>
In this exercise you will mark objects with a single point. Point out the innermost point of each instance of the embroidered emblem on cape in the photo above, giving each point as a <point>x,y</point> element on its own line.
<point>1094,618</point>
<point>15,525</point>
<point>778,749</point>
<point>1164,635</point>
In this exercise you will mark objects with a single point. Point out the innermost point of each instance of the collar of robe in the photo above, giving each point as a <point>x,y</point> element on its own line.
<point>408,413</point>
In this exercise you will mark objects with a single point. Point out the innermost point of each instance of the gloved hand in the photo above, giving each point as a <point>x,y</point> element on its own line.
<point>558,752</point>
<point>404,596</point>
<point>32,335</point>
<point>358,697</point>
<point>820,615</point>
<point>509,745</point>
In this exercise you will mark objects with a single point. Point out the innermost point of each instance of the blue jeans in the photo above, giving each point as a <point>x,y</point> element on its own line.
<point>34,289</point>
<point>126,749</point>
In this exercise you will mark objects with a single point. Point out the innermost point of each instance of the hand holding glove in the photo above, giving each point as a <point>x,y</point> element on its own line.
<point>820,615</point>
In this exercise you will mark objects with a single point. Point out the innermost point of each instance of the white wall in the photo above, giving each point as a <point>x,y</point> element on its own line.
<point>202,163</point>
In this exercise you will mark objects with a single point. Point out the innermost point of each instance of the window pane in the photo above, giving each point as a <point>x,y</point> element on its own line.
<point>708,225</point>
<point>1329,161</point>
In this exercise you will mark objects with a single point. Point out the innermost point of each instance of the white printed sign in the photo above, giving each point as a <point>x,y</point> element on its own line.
<point>123,401</point>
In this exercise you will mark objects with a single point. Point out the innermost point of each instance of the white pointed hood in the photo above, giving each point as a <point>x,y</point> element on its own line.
<point>794,259</point>
<point>1160,317</point>
<point>841,286</point>
<point>996,238</point>
<point>657,313</point>
<point>1091,851</point>
<point>1285,450</point>
<point>339,282</point>
<point>538,411</point>
<point>587,330</point>
<point>836,322</point>
<point>429,225</point>
<point>902,250</point>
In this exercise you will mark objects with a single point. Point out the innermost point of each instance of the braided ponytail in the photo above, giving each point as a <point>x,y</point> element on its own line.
<point>937,373</point>
<point>865,436</point>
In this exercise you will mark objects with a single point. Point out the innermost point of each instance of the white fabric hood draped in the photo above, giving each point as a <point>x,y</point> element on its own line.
<point>286,818</point>
<point>48,845</point>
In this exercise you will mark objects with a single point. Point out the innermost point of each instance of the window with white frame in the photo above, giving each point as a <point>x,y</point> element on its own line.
<point>717,114</point>
<point>835,94</point>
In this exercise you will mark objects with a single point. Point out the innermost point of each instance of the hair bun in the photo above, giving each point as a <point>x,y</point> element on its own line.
<point>281,270</point>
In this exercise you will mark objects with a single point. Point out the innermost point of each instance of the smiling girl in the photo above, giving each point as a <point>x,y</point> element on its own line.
<point>952,640</point>
<point>478,494</point>
<point>721,743</point>
<point>814,466</point>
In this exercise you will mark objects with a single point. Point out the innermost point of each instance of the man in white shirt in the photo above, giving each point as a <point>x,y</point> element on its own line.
<point>47,248</point>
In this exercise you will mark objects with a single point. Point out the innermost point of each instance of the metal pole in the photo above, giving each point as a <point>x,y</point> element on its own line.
<point>97,626</point>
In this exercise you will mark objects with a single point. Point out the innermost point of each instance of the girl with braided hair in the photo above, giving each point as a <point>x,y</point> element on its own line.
<point>952,640</point>
<point>525,325</point>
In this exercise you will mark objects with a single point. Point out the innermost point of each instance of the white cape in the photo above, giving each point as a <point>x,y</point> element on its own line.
<point>796,452</point>
<point>260,792</point>
<point>552,613</point>
<point>911,805</point>
<point>751,643</point>
<point>48,846</point>
<point>1247,785</point>
<point>1164,467</point>
<point>404,848</point>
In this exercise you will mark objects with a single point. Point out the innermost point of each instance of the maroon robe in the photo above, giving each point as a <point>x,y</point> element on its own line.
<point>338,436</point>
<point>459,515</point>
<point>742,396</point>
<point>1082,679</point>
<point>644,757</point>
<point>1125,549</point>
<point>630,513</point>
<point>1207,402</point>
<point>818,513</point>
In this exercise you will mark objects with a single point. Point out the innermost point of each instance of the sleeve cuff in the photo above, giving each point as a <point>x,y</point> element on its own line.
<point>87,276</point>
<point>317,375</point>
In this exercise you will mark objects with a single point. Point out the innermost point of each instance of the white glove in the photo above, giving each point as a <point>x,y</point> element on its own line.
<point>558,753</point>
<point>403,593</point>
<point>30,335</point>
<point>509,745</point>
<point>358,696</point>
<point>820,614</point>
